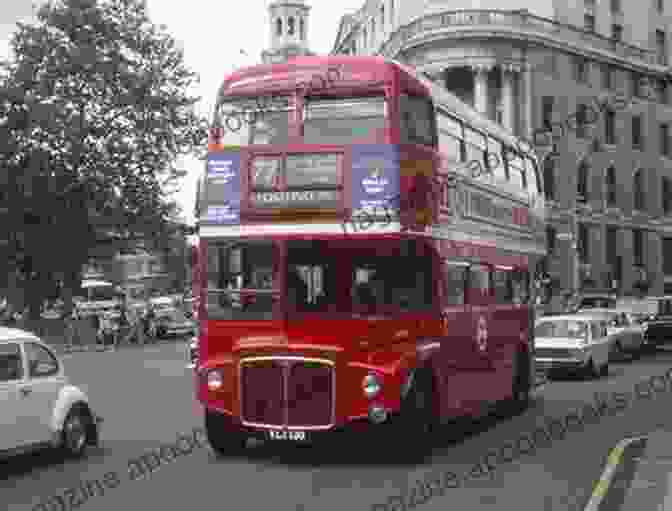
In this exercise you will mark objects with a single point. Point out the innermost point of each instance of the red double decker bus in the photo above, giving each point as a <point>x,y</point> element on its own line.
<point>312,320</point>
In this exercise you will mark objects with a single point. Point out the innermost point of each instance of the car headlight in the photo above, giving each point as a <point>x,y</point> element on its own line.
<point>371,385</point>
<point>215,379</point>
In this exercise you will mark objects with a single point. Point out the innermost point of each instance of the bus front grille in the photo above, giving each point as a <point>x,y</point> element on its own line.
<point>290,392</point>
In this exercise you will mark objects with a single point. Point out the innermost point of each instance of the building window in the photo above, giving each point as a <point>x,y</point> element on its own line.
<point>589,23</point>
<point>547,111</point>
<point>610,127</point>
<point>607,82</point>
<point>290,25</point>
<point>636,84</point>
<point>589,3</point>
<point>660,5</point>
<point>581,120</point>
<point>615,6</point>
<point>373,31</point>
<point>610,179</point>
<point>551,234</point>
<point>637,138</point>
<point>549,177</point>
<point>661,47</point>
<point>580,69</point>
<point>665,139</point>
<point>667,196</point>
<point>582,243</point>
<point>365,40</point>
<point>617,32</point>
<point>662,91</point>
<point>392,13</point>
<point>382,17</point>
<point>638,247</point>
<point>612,251</point>
<point>638,191</point>
<point>582,182</point>
<point>278,27</point>
<point>302,29</point>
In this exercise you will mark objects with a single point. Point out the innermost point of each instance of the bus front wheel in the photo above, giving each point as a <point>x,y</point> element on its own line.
<point>413,429</point>
<point>222,439</point>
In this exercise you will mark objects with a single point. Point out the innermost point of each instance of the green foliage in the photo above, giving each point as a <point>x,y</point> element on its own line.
<point>94,111</point>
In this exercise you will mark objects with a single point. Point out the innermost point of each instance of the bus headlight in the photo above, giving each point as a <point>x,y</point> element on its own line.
<point>215,379</point>
<point>371,385</point>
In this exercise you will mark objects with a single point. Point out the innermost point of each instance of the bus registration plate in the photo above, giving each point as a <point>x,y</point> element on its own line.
<point>297,436</point>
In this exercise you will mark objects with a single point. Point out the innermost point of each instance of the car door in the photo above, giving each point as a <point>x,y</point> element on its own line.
<point>45,380</point>
<point>12,402</point>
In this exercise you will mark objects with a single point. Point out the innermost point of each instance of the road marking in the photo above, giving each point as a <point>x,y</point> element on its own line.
<point>614,459</point>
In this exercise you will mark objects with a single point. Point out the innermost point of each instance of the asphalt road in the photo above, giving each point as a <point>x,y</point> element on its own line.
<point>146,398</point>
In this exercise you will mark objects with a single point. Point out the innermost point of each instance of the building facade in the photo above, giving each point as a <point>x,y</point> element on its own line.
<point>589,90</point>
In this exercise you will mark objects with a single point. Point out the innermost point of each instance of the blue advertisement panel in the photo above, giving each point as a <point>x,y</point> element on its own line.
<point>222,189</point>
<point>375,177</point>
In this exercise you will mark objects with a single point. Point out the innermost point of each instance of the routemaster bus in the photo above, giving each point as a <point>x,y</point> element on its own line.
<point>312,321</point>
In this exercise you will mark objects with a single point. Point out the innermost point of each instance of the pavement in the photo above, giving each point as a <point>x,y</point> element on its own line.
<point>637,475</point>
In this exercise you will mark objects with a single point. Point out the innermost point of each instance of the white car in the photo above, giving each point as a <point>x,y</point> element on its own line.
<point>572,342</point>
<point>38,406</point>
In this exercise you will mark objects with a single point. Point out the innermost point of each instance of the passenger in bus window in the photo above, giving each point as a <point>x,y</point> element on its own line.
<point>365,299</point>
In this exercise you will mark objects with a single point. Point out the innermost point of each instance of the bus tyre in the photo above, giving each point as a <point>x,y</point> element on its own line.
<point>222,440</point>
<point>414,427</point>
<point>522,382</point>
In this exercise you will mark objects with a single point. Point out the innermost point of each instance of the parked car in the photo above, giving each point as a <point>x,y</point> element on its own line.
<point>627,336</point>
<point>658,328</point>
<point>572,343</point>
<point>39,406</point>
<point>169,319</point>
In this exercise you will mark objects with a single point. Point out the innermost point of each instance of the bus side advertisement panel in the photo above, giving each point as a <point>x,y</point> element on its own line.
<point>222,189</point>
<point>375,178</point>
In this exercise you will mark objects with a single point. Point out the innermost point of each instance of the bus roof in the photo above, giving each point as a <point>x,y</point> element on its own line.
<point>378,66</point>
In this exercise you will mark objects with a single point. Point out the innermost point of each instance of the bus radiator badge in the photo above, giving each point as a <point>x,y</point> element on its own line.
<point>482,334</point>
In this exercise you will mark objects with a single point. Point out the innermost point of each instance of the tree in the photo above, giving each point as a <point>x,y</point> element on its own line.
<point>96,113</point>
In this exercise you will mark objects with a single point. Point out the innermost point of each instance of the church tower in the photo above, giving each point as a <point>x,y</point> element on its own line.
<point>288,31</point>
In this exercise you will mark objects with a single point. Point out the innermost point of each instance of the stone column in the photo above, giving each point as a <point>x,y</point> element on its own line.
<point>527,101</point>
<point>481,89</point>
<point>508,120</point>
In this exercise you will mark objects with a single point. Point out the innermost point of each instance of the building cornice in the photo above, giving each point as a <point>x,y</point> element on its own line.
<point>517,25</point>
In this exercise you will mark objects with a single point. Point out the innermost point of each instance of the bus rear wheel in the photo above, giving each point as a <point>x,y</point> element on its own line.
<point>222,439</point>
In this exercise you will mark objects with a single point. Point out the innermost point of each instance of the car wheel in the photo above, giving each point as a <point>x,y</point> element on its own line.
<point>222,440</point>
<point>591,370</point>
<point>413,429</point>
<point>75,435</point>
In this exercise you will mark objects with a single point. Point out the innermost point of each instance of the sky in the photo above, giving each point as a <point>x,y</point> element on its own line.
<point>212,34</point>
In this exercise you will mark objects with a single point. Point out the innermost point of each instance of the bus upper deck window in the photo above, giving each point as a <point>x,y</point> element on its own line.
<point>344,120</point>
<point>417,120</point>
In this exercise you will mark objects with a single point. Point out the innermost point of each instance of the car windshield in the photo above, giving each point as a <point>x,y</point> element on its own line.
<point>561,328</point>
<point>597,303</point>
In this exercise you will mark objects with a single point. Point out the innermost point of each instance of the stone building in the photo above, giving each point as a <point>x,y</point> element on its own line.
<point>588,87</point>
